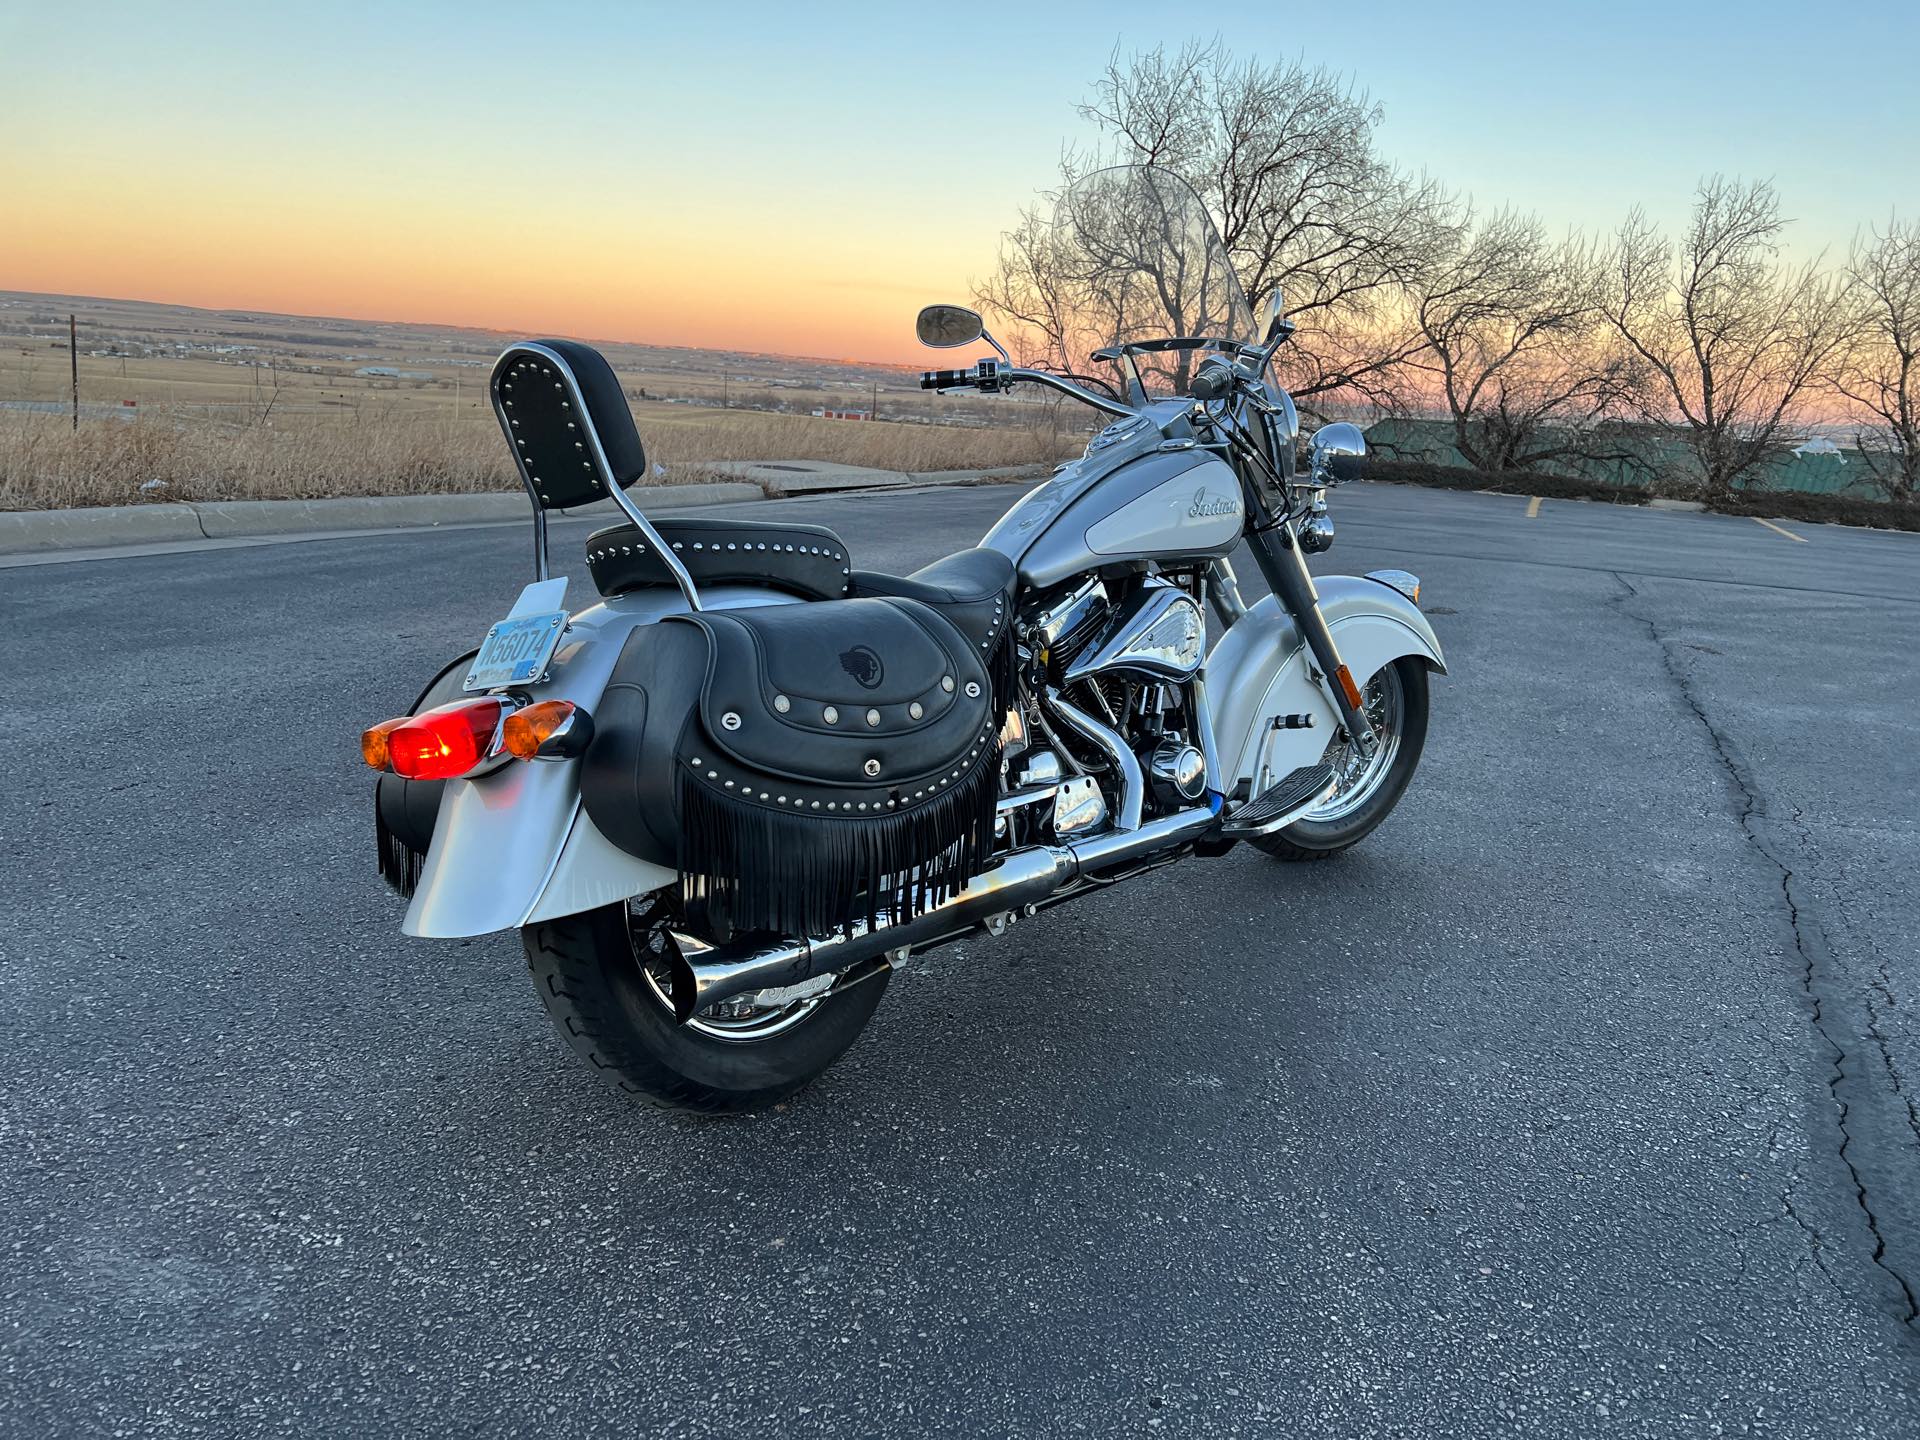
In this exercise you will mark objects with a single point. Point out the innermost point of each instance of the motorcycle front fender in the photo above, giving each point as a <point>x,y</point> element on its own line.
<point>514,845</point>
<point>1258,671</point>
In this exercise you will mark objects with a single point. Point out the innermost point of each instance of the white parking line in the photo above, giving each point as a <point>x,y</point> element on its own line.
<point>1777,530</point>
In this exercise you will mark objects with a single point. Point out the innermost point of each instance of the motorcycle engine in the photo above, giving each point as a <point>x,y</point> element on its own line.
<point>1125,661</point>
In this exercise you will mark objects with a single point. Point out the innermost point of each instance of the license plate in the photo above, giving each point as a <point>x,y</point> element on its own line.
<point>516,651</point>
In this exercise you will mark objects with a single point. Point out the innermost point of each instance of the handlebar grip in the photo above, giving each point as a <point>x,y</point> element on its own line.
<point>941,379</point>
<point>1210,384</point>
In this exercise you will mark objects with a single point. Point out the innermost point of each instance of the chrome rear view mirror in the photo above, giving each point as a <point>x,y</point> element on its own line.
<point>941,327</point>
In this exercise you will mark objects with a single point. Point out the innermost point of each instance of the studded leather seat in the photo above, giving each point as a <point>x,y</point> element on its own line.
<point>809,561</point>
<point>972,588</point>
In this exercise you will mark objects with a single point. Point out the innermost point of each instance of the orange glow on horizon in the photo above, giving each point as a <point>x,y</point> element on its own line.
<point>792,283</point>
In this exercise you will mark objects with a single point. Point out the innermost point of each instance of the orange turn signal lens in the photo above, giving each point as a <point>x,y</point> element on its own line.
<point>445,743</point>
<point>373,743</point>
<point>549,729</point>
<point>1349,689</point>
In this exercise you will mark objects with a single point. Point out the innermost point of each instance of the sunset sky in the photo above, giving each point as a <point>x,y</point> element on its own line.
<point>802,178</point>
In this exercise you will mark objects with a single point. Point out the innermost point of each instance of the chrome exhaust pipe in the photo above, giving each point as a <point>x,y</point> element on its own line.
<point>704,975</point>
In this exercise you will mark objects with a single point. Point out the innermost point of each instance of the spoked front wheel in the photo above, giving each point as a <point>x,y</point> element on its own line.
<point>604,979</point>
<point>1367,785</point>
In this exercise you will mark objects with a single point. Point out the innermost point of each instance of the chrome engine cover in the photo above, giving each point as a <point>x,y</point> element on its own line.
<point>1179,772</point>
<point>1157,633</point>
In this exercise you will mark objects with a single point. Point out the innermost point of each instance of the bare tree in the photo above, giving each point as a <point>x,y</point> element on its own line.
<point>1734,339</point>
<point>1879,373</point>
<point>1028,293</point>
<point>1057,301</point>
<point>1283,155</point>
<point>1131,254</point>
<point>1517,345</point>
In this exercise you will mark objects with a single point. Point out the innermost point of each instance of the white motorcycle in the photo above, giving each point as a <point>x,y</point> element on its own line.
<point>721,802</point>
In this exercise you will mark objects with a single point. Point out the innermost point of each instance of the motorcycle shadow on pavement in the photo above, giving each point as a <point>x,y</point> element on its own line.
<point>1108,1024</point>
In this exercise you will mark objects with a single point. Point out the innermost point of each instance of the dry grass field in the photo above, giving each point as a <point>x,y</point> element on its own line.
<point>182,404</point>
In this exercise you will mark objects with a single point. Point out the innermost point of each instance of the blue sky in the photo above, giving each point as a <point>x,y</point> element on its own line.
<point>800,171</point>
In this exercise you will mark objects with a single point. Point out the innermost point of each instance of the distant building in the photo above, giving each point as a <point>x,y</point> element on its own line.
<point>825,414</point>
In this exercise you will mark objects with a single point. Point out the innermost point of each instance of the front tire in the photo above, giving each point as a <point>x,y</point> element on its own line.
<point>1396,695</point>
<point>592,972</point>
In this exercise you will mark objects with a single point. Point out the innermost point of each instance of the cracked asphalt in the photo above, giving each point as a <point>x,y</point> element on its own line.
<point>1580,1100</point>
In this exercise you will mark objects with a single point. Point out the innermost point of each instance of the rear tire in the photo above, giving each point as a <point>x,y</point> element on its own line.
<point>591,978</point>
<point>1323,839</point>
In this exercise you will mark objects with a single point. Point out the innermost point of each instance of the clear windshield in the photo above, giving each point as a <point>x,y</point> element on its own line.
<point>1139,261</point>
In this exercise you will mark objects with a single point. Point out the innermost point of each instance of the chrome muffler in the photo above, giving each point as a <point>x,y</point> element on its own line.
<point>705,975</point>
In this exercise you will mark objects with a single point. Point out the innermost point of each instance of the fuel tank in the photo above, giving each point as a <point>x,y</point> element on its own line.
<point>1135,497</point>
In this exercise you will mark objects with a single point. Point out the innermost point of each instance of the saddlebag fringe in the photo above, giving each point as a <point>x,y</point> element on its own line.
<point>1003,675</point>
<point>748,867</point>
<point>400,863</point>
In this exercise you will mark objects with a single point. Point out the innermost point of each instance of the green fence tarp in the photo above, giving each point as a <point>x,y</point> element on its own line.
<point>1833,473</point>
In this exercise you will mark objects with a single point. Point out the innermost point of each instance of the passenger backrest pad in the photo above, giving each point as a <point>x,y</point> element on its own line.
<point>563,413</point>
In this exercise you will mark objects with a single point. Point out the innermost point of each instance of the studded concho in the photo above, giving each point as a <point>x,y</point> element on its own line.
<point>804,766</point>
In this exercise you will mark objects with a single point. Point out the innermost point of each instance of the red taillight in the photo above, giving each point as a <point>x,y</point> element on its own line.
<point>445,743</point>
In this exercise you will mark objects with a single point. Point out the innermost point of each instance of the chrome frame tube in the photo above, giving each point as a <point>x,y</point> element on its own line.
<point>1225,591</point>
<point>1203,720</point>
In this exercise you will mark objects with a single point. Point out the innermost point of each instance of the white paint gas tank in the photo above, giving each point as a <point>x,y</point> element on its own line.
<point>1197,511</point>
<point>1156,504</point>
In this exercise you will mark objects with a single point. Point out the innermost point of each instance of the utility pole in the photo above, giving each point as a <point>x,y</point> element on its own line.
<point>73,355</point>
<point>873,410</point>
<point>726,390</point>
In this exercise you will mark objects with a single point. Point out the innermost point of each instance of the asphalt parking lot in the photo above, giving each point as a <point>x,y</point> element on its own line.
<point>1579,1100</point>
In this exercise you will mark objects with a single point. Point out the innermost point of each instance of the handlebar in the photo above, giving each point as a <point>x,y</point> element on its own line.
<point>1067,387</point>
<point>991,375</point>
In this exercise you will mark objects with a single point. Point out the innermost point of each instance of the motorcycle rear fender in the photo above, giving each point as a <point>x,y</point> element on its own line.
<point>514,845</point>
<point>1259,670</point>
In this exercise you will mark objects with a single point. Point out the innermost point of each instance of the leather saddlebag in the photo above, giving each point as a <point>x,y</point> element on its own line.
<point>802,766</point>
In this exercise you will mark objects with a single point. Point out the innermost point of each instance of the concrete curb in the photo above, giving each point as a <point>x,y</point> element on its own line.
<point>99,527</point>
<point>83,529</point>
<point>811,477</point>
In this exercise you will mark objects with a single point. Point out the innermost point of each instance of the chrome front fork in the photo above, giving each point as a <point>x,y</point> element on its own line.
<point>1280,556</point>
